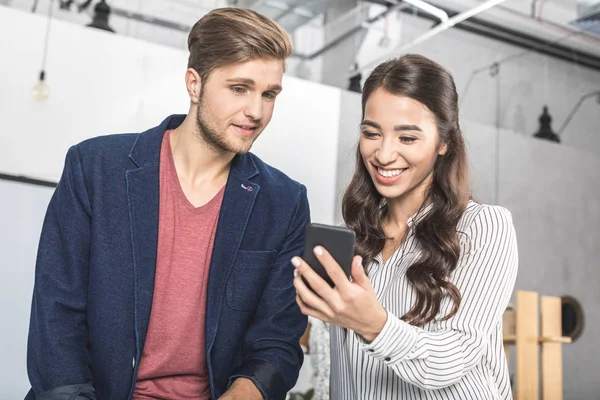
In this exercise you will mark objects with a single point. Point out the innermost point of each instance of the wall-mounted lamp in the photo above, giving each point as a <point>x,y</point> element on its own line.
<point>354,85</point>
<point>354,81</point>
<point>100,19</point>
<point>594,93</point>
<point>545,130</point>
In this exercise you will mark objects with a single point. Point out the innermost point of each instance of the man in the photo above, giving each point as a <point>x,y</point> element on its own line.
<point>163,269</point>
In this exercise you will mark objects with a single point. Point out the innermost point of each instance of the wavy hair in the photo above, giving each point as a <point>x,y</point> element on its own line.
<point>363,208</point>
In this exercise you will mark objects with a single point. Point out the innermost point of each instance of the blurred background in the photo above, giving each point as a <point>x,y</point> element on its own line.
<point>527,73</point>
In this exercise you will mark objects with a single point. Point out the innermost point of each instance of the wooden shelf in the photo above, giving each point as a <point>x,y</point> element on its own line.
<point>552,339</point>
<point>511,339</point>
<point>534,328</point>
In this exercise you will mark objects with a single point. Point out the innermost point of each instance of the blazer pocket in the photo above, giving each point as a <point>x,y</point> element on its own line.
<point>248,278</point>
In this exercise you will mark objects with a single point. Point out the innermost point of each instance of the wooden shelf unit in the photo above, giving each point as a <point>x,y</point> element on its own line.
<point>530,313</point>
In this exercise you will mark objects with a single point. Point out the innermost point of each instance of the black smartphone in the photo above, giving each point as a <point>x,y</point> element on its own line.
<point>338,241</point>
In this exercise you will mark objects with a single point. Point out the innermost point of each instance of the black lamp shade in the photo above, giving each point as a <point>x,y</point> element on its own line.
<point>354,85</point>
<point>545,131</point>
<point>100,20</point>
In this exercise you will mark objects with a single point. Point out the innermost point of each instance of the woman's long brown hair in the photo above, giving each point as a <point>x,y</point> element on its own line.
<point>364,209</point>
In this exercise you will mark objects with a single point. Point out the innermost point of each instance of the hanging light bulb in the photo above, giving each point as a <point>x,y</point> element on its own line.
<point>41,90</point>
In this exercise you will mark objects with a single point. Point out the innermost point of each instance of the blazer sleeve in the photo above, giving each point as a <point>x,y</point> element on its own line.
<point>57,353</point>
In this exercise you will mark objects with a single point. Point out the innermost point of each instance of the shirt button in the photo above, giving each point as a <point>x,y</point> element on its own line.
<point>133,364</point>
<point>387,359</point>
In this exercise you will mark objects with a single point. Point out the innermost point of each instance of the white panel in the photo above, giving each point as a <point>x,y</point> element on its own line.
<point>302,140</point>
<point>22,209</point>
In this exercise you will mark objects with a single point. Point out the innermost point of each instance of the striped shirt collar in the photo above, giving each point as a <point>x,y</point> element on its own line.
<point>411,222</point>
<point>419,215</point>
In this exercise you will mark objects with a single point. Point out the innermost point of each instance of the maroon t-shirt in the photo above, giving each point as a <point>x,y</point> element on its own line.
<point>173,362</point>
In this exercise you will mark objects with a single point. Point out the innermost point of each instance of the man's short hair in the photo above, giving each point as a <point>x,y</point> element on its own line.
<point>227,36</point>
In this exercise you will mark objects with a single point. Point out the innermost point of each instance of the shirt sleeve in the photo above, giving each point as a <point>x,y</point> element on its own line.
<point>441,355</point>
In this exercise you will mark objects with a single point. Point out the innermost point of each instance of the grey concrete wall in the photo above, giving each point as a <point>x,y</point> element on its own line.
<point>339,19</point>
<point>553,192</point>
<point>527,80</point>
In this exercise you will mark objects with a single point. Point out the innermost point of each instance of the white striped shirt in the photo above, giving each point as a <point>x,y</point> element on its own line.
<point>460,358</point>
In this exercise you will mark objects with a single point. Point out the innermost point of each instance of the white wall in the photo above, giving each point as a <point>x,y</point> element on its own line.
<point>302,140</point>
<point>102,83</point>
<point>349,135</point>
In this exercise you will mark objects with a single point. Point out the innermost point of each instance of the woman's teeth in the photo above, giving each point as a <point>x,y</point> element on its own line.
<point>388,173</point>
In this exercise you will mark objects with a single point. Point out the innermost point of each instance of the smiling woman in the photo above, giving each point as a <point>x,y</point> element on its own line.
<point>416,140</point>
<point>434,270</point>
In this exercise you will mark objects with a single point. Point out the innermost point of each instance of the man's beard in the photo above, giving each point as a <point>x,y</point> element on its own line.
<point>219,141</point>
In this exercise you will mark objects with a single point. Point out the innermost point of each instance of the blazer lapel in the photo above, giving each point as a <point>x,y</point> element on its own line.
<point>236,208</point>
<point>142,191</point>
<point>143,202</point>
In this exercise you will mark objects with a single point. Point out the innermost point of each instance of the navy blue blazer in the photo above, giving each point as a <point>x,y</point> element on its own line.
<point>96,263</point>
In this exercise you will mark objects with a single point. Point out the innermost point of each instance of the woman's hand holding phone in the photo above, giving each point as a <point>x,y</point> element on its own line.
<point>349,304</point>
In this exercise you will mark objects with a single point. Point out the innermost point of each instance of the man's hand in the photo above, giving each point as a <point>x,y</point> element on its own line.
<point>242,389</point>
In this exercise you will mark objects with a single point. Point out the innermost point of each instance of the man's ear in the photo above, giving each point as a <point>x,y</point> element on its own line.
<point>193,84</point>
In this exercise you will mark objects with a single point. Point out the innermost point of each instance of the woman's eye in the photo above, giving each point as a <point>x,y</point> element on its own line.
<point>407,139</point>
<point>370,134</point>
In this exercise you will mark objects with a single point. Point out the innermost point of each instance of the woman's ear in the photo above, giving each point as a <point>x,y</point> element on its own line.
<point>443,149</point>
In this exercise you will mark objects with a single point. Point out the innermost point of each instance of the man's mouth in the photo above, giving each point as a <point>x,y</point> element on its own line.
<point>246,129</point>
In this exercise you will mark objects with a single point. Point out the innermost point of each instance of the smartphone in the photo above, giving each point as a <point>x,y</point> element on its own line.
<point>338,241</point>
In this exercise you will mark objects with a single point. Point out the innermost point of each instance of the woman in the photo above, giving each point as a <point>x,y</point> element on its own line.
<point>422,319</point>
